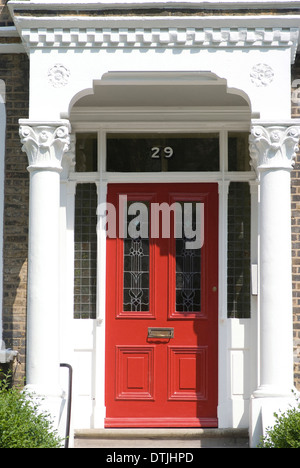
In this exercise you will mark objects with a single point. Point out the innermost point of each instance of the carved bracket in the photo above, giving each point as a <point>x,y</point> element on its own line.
<point>273,147</point>
<point>45,144</point>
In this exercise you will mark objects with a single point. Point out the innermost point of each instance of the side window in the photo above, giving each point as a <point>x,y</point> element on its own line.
<point>239,214</point>
<point>85,273</point>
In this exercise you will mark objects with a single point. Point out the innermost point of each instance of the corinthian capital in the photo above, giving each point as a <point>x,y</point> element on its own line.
<point>45,143</point>
<point>273,147</point>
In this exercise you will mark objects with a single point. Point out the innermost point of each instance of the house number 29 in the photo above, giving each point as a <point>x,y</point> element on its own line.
<point>156,152</point>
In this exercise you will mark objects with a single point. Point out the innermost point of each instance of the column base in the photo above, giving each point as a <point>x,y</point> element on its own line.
<point>262,409</point>
<point>275,391</point>
<point>50,401</point>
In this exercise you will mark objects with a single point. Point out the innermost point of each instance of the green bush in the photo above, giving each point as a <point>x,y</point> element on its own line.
<point>286,431</point>
<point>22,424</point>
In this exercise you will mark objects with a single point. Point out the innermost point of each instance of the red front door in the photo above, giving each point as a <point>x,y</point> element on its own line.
<point>162,306</point>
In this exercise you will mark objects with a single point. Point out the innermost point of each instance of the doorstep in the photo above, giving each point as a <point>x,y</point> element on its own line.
<point>151,438</point>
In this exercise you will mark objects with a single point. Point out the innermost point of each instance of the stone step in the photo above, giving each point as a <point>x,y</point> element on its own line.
<point>161,438</point>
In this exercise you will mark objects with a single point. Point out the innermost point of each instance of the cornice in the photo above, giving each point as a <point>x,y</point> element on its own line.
<point>142,4</point>
<point>75,24</point>
<point>161,37</point>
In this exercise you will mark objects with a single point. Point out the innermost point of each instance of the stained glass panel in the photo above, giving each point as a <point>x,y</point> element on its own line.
<point>188,271</point>
<point>136,269</point>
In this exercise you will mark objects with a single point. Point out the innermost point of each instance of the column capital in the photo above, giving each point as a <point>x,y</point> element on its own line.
<point>273,146</point>
<point>45,143</point>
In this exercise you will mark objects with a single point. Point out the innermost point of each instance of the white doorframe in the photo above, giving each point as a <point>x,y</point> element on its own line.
<point>237,337</point>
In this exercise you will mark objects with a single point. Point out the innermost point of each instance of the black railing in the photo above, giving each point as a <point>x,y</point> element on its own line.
<point>69,407</point>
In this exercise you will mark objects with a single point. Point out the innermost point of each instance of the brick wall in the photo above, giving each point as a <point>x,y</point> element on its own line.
<point>14,71</point>
<point>5,19</point>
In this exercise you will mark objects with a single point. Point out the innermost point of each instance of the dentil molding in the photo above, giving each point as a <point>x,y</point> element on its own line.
<point>45,144</point>
<point>273,147</point>
<point>161,37</point>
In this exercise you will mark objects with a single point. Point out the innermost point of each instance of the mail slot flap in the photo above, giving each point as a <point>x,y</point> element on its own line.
<point>160,332</point>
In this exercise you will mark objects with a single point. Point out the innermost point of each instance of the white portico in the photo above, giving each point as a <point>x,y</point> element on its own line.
<point>127,73</point>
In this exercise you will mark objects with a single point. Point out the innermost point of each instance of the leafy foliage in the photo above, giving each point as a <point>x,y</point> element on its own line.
<point>286,431</point>
<point>22,424</point>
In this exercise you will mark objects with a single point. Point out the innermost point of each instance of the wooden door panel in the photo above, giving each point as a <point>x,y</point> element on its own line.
<point>134,373</point>
<point>187,373</point>
<point>162,381</point>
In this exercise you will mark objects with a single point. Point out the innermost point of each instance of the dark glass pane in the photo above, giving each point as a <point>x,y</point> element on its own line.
<point>86,152</point>
<point>85,274</point>
<point>239,215</point>
<point>238,152</point>
<point>136,269</point>
<point>188,273</point>
<point>162,152</point>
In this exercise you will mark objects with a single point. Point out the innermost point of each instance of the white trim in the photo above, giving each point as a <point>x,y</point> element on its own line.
<point>8,31</point>
<point>10,48</point>
<point>100,345</point>
<point>235,117</point>
<point>172,127</point>
<point>129,4</point>
<point>111,21</point>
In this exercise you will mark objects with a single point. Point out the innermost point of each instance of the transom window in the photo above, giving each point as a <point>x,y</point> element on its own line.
<point>162,152</point>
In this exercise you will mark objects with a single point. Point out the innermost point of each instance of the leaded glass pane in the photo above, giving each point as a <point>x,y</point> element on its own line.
<point>86,152</point>
<point>238,289</point>
<point>238,151</point>
<point>188,271</point>
<point>136,268</point>
<point>85,252</point>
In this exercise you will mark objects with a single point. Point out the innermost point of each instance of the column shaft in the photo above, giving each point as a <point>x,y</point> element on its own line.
<point>43,287</point>
<point>272,150</point>
<point>276,339</point>
<point>45,145</point>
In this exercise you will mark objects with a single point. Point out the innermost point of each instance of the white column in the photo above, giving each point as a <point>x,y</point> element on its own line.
<point>45,145</point>
<point>272,150</point>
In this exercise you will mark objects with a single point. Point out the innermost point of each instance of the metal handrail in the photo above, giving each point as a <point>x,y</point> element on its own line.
<point>69,407</point>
